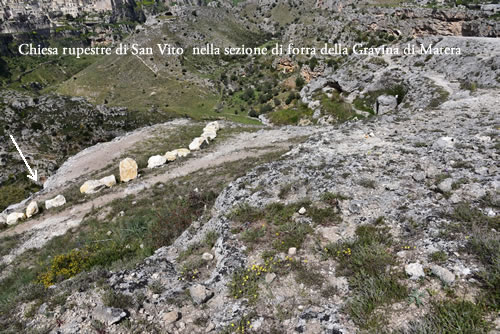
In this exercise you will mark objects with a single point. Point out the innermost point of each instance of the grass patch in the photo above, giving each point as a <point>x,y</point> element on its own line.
<point>116,299</point>
<point>290,115</point>
<point>365,260</point>
<point>272,225</point>
<point>366,102</point>
<point>441,96</point>
<point>485,244</point>
<point>367,183</point>
<point>450,317</point>
<point>438,257</point>
<point>337,107</point>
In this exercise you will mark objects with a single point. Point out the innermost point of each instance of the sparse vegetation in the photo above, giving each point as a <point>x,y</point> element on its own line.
<point>367,262</point>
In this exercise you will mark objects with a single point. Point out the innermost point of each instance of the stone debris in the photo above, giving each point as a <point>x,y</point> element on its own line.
<point>57,201</point>
<point>14,217</point>
<point>444,143</point>
<point>200,294</point>
<point>444,274</point>
<point>109,315</point>
<point>171,317</point>
<point>32,209</point>
<point>207,257</point>
<point>128,170</point>
<point>446,185</point>
<point>156,161</point>
<point>212,126</point>
<point>415,271</point>
<point>270,277</point>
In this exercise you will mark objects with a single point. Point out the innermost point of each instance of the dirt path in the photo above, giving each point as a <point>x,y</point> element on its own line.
<point>240,146</point>
<point>99,156</point>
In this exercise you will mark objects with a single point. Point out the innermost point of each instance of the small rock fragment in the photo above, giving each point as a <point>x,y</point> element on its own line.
<point>292,251</point>
<point>109,315</point>
<point>211,135</point>
<point>302,210</point>
<point>415,271</point>
<point>444,143</point>
<point>171,317</point>
<point>446,185</point>
<point>212,126</point>
<point>444,274</point>
<point>207,257</point>
<point>200,294</point>
<point>270,277</point>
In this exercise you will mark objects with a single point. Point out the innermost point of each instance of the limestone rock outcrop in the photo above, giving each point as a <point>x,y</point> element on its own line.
<point>128,170</point>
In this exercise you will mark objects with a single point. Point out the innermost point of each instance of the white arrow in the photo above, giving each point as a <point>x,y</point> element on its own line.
<point>33,176</point>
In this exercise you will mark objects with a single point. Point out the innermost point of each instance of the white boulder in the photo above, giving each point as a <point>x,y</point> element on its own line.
<point>156,161</point>
<point>209,134</point>
<point>444,274</point>
<point>415,271</point>
<point>171,156</point>
<point>207,257</point>
<point>57,201</point>
<point>14,217</point>
<point>181,152</point>
<point>128,170</point>
<point>108,181</point>
<point>198,143</point>
<point>91,187</point>
<point>32,209</point>
<point>444,143</point>
<point>212,126</point>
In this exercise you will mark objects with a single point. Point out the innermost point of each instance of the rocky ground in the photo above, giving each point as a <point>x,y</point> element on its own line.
<point>377,225</point>
<point>367,201</point>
